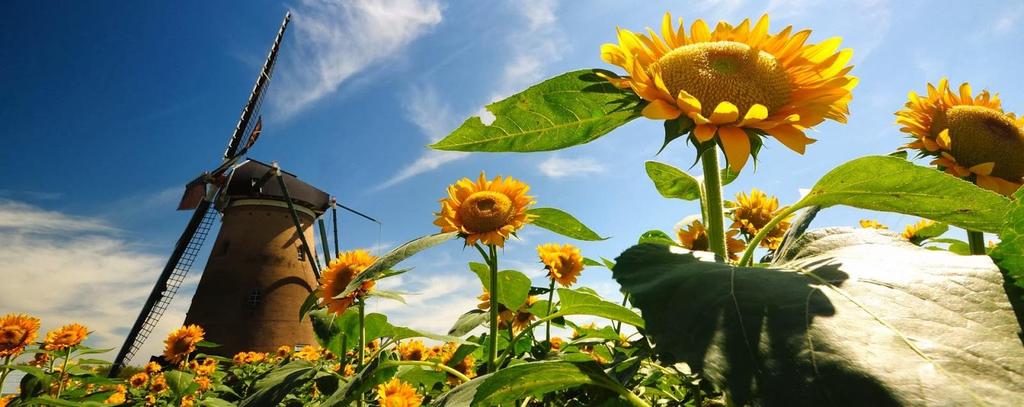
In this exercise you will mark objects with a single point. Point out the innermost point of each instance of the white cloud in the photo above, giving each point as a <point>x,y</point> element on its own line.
<point>532,49</point>
<point>433,117</point>
<point>435,302</point>
<point>558,167</point>
<point>63,268</point>
<point>336,39</point>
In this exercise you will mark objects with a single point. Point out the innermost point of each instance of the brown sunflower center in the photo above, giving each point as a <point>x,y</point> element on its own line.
<point>726,71</point>
<point>980,135</point>
<point>11,336</point>
<point>486,211</point>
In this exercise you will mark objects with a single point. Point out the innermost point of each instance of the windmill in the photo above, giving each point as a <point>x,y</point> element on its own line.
<point>262,265</point>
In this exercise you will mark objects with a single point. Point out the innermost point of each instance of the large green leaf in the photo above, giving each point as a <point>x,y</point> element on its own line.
<point>371,375</point>
<point>570,109</point>
<point>339,333</point>
<point>272,388</point>
<point>846,317</point>
<point>1009,253</point>
<point>892,184</point>
<point>513,286</point>
<point>519,381</point>
<point>559,221</point>
<point>579,303</point>
<point>181,383</point>
<point>384,264</point>
<point>672,182</point>
<point>468,321</point>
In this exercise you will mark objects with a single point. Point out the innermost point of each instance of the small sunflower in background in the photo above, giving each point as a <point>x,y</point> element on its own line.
<point>968,136</point>
<point>16,332</point>
<point>182,342</point>
<point>339,273</point>
<point>396,393</point>
<point>872,224</point>
<point>750,214</point>
<point>485,211</point>
<point>563,262</point>
<point>412,350</point>
<point>915,233</point>
<point>694,236</point>
<point>65,337</point>
<point>737,84</point>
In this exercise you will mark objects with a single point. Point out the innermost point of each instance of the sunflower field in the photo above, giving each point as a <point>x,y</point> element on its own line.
<point>739,305</point>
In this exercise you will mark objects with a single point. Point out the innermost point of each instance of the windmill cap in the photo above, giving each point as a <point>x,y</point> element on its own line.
<point>244,179</point>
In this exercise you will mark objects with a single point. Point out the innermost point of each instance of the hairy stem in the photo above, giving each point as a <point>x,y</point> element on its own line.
<point>492,339</point>
<point>713,202</point>
<point>761,234</point>
<point>362,339</point>
<point>551,299</point>
<point>977,242</point>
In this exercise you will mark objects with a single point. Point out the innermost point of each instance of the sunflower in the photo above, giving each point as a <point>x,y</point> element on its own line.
<point>16,332</point>
<point>872,224</point>
<point>412,350</point>
<point>694,236</point>
<point>486,211</point>
<point>118,396</point>
<point>139,379</point>
<point>158,384</point>
<point>204,383</point>
<point>153,368</point>
<point>738,83</point>
<point>348,370</point>
<point>182,342</point>
<point>969,136</point>
<point>309,353</point>
<point>339,273</point>
<point>556,343</point>
<point>518,319</point>
<point>911,232</point>
<point>751,213</point>
<point>65,337</point>
<point>40,359</point>
<point>464,366</point>
<point>396,393</point>
<point>563,262</point>
<point>284,351</point>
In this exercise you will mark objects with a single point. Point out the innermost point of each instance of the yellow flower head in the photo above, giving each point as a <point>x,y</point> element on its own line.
<point>40,359</point>
<point>523,317</point>
<point>556,343</point>
<point>694,236</point>
<point>465,366</point>
<point>5,400</point>
<point>339,273</point>
<point>872,224</point>
<point>396,393</point>
<point>911,231</point>
<point>65,337</point>
<point>349,370</point>
<point>310,353</point>
<point>153,368</point>
<point>204,383</point>
<point>118,397</point>
<point>736,82</point>
<point>158,384</point>
<point>969,136</point>
<point>518,319</point>
<point>16,332</point>
<point>486,211</point>
<point>283,351</point>
<point>182,342</point>
<point>564,262</point>
<point>187,401</point>
<point>412,350</point>
<point>751,213</point>
<point>139,379</point>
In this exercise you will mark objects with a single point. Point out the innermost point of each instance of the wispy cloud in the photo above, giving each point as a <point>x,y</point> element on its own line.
<point>434,118</point>
<point>445,296</point>
<point>336,39</point>
<point>63,268</point>
<point>558,167</point>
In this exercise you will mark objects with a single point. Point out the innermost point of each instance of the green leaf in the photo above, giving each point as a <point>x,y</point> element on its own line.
<point>513,286</point>
<point>395,256</point>
<point>309,303</point>
<point>1009,253</point>
<point>570,109</point>
<point>676,128</point>
<point>846,317</point>
<point>578,303</point>
<point>672,182</point>
<point>929,232</point>
<point>467,322</point>
<point>362,383</point>
<point>727,176</point>
<point>391,295</point>
<point>331,330</point>
<point>207,344</point>
<point>179,382</point>
<point>657,237</point>
<point>955,245</point>
<point>215,402</point>
<point>272,388</point>
<point>591,262</point>
<point>519,381</point>
<point>892,184</point>
<point>560,222</point>
<point>401,332</point>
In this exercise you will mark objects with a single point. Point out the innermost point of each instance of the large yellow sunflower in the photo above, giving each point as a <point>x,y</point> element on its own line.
<point>750,214</point>
<point>486,211</point>
<point>65,337</point>
<point>16,332</point>
<point>339,273</point>
<point>736,82</point>
<point>182,342</point>
<point>564,262</point>
<point>396,393</point>
<point>969,136</point>
<point>694,236</point>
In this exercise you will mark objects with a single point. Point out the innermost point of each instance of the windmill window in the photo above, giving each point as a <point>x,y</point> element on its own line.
<point>301,252</point>
<point>255,298</point>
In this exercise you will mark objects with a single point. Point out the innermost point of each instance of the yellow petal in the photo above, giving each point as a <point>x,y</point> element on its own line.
<point>736,146</point>
<point>792,137</point>
<point>704,132</point>
<point>943,140</point>
<point>688,102</point>
<point>725,112</point>
<point>756,114</point>
<point>699,31</point>
<point>660,110</point>
<point>983,169</point>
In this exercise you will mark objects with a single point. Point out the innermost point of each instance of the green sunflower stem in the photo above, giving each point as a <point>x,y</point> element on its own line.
<point>748,253</point>
<point>976,240</point>
<point>63,372</point>
<point>713,202</point>
<point>5,370</point>
<point>551,299</point>
<point>492,339</point>
<point>362,339</point>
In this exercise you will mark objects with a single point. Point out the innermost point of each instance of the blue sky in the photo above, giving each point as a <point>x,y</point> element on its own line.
<point>110,110</point>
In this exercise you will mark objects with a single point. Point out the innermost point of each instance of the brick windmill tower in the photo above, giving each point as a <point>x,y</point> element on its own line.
<point>262,265</point>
